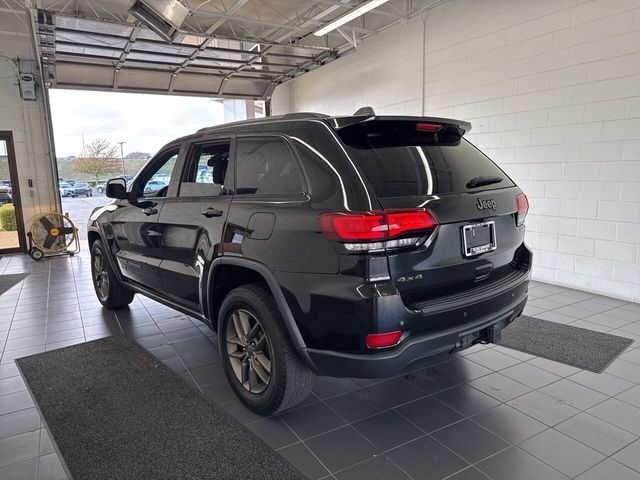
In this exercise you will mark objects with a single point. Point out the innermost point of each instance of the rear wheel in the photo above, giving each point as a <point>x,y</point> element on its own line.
<point>110,292</point>
<point>259,360</point>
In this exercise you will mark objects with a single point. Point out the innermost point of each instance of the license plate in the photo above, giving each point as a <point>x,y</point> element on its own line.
<point>479,238</point>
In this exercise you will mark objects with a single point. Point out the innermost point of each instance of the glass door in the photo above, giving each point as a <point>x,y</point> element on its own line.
<point>11,227</point>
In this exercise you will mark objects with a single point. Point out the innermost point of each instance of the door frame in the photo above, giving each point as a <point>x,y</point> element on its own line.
<point>7,136</point>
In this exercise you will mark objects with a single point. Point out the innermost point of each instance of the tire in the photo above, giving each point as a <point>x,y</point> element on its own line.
<point>100,189</point>
<point>36,253</point>
<point>110,292</point>
<point>290,381</point>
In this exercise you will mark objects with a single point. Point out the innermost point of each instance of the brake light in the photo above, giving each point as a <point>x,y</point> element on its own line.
<point>522,207</point>
<point>375,231</point>
<point>353,226</point>
<point>400,222</point>
<point>376,226</point>
<point>428,127</point>
<point>381,340</point>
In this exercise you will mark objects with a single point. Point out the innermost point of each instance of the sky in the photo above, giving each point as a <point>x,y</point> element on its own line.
<point>144,122</point>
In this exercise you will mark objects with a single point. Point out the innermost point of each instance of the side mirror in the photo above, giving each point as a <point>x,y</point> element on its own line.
<point>116,188</point>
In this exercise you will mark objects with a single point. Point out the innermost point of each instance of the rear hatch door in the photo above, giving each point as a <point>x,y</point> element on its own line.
<point>427,164</point>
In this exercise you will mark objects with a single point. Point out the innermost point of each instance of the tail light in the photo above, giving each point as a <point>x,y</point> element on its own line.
<point>522,207</point>
<point>376,230</point>
<point>381,340</point>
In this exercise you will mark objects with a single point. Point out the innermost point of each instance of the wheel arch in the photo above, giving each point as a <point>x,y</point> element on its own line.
<point>93,234</point>
<point>234,268</point>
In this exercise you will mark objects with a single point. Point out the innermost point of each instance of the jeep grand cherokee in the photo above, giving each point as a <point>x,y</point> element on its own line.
<point>343,246</point>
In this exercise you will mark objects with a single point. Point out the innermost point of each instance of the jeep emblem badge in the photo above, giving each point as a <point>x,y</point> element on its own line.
<point>486,204</point>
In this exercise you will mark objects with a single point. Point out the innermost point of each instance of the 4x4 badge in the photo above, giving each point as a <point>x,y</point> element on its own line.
<point>411,278</point>
<point>485,204</point>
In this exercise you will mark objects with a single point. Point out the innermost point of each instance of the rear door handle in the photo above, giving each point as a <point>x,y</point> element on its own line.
<point>150,211</point>
<point>211,212</point>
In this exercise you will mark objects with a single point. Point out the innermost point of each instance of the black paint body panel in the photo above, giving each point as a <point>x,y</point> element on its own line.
<point>330,299</point>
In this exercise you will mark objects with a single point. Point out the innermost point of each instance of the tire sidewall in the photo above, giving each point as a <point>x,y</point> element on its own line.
<point>262,402</point>
<point>97,245</point>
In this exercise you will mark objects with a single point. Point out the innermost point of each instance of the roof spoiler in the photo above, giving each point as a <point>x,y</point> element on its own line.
<point>366,114</point>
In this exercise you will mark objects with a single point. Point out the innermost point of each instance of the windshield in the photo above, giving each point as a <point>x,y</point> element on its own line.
<point>396,165</point>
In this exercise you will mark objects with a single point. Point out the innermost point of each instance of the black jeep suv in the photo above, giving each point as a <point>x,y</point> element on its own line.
<point>341,246</point>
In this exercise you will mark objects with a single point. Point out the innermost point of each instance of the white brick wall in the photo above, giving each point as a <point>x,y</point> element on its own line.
<point>552,88</point>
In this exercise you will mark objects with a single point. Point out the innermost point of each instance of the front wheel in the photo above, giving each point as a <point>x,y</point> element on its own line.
<point>259,360</point>
<point>110,292</point>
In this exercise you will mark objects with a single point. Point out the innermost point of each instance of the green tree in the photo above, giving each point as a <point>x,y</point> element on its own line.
<point>99,159</point>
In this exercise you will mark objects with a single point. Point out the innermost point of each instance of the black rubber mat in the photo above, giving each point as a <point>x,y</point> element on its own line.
<point>9,280</point>
<point>579,347</point>
<point>116,412</point>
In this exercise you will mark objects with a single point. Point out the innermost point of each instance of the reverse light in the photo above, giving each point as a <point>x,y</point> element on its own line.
<point>522,207</point>
<point>381,340</point>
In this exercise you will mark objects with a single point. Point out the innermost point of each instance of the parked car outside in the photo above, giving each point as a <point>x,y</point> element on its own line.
<point>353,246</point>
<point>7,185</point>
<point>66,190</point>
<point>82,189</point>
<point>154,186</point>
<point>5,195</point>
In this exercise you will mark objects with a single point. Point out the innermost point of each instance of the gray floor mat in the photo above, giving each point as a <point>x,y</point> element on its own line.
<point>578,347</point>
<point>9,280</point>
<point>115,411</point>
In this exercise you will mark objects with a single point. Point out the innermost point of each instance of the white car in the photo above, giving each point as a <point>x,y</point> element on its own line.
<point>66,190</point>
<point>154,186</point>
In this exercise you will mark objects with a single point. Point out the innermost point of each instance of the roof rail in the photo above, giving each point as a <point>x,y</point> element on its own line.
<point>365,111</point>
<point>303,115</point>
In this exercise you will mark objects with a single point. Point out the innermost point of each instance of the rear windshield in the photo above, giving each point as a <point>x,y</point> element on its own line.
<point>419,164</point>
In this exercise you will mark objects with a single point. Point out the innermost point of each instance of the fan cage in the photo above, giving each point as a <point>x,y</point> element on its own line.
<point>53,232</point>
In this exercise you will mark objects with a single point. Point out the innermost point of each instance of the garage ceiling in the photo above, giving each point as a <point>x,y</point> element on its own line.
<point>224,48</point>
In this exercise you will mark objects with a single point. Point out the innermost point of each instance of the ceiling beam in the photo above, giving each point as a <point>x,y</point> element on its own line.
<point>273,24</point>
<point>260,41</point>
<point>128,46</point>
<point>210,31</point>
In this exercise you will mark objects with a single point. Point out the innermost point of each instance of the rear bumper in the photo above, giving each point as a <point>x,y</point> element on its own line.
<point>493,311</point>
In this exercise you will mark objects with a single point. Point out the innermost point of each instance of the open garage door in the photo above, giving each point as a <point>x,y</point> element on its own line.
<point>222,48</point>
<point>106,55</point>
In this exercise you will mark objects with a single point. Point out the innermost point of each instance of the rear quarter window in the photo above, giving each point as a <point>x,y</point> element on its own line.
<point>266,166</point>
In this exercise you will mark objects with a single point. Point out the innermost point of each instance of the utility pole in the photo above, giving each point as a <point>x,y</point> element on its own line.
<point>122,157</point>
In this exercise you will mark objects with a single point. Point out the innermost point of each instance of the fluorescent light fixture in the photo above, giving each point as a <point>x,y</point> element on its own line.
<point>347,17</point>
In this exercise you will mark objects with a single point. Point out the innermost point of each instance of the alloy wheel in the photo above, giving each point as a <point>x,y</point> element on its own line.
<point>100,275</point>
<point>249,350</point>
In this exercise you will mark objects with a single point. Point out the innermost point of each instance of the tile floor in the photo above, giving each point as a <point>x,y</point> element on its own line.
<point>486,413</point>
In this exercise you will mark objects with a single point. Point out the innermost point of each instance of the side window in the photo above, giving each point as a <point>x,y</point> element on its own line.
<point>155,180</point>
<point>266,166</point>
<point>206,171</point>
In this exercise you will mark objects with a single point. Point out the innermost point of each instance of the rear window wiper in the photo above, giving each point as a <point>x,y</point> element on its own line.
<point>481,181</point>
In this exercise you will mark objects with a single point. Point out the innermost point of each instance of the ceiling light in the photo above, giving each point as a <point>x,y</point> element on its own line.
<point>347,17</point>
